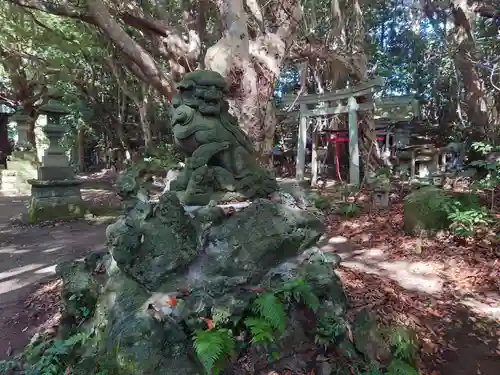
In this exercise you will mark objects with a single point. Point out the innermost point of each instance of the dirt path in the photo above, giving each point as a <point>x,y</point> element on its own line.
<point>28,256</point>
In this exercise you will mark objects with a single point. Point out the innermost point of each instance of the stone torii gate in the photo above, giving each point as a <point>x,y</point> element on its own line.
<point>320,106</point>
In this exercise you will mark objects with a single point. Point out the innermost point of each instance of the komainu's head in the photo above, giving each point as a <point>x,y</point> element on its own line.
<point>202,90</point>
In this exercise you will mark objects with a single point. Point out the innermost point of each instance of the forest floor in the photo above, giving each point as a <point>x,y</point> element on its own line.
<point>446,289</point>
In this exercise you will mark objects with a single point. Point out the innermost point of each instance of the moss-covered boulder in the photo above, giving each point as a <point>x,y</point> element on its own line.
<point>80,290</point>
<point>425,211</point>
<point>431,209</point>
<point>167,272</point>
<point>153,241</point>
<point>368,338</point>
<point>130,338</point>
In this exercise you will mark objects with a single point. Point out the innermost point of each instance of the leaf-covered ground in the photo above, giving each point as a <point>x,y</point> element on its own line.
<point>447,289</point>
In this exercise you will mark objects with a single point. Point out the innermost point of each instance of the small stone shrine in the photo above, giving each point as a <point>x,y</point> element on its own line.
<point>55,194</point>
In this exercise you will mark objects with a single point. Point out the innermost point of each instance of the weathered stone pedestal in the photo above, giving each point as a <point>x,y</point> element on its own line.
<point>55,199</point>
<point>438,179</point>
<point>55,194</point>
<point>426,160</point>
<point>404,167</point>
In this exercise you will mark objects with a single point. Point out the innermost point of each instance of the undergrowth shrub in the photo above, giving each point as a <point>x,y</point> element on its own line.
<point>404,346</point>
<point>221,336</point>
<point>53,357</point>
<point>349,210</point>
<point>461,213</point>
<point>465,214</point>
<point>163,157</point>
<point>491,167</point>
<point>262,323</point>
<point>320,202</point>
<point>265,321</point>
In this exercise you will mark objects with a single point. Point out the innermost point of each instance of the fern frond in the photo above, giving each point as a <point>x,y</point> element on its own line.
<point>398,367</point>
<point>270,309</point>
<point>262,331</point>
<point>301,291</point>
<point>304,293</point>
<point>220,316</point>
<point>213,347</point>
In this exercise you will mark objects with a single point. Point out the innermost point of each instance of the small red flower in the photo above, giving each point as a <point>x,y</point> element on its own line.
<point>208,322</point>
<point>172,301</point>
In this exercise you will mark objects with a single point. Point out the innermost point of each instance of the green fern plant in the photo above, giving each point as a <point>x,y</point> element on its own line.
<point>328,329</point>
<point>261,330</point>
<point>268,307</point>
<point>349,209</point>
<point>399,367</point>
<point>404,344</point>
<point>214,347</point>
<point>320,202</point>
<point>264,321</point>
<point>7,366</point>
<point>54,357</point>
<point>300,291</point>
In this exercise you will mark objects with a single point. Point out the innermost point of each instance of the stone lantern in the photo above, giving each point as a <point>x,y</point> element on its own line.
<point>22,161</point>
<point>55,194</point>
<point>21,118</point>
<point>55,165</point>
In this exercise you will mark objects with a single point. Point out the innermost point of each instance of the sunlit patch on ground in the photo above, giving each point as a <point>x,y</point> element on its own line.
<point>425,284</point>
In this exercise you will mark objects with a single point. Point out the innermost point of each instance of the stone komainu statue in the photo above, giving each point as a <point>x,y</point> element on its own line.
<point>219,156</point>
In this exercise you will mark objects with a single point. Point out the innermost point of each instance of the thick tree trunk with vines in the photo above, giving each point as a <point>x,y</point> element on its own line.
<point>30,124</point>
<point>477,109</point>
<point>359,72</point>
<point>249,55</point>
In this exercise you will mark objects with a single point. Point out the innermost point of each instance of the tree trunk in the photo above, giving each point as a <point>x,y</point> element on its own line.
<point>4,140</point>
<point>81,149</point>
<point>359,64</point>
<point>250,59</point>
<point>30,125</point>
<point>143,107</point>
<point>140,62</point>
<point>477,111</point>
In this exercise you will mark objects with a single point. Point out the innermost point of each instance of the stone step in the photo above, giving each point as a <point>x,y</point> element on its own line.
<point>14,188</point>
<point>10,179</point>
<point>7,173</point>
<point>14,180</point>
<point>13,193</point>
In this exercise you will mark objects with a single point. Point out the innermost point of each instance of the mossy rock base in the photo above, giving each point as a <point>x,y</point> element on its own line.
<point>427,209</point>
<point>55,200</point>
<point>55,208</point>
<point>424,211</point>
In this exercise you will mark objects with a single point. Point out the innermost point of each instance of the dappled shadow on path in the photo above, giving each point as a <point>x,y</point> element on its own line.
<point>446,289</point>
<point>29,255</point>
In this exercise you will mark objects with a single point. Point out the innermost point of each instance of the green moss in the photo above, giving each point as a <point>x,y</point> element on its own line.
<point>430,209</point>
<point>39,210</point>
<point>425,211</point>
<point>105,211</point>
